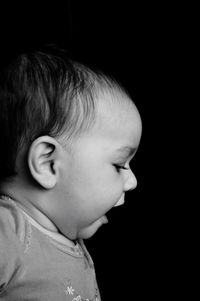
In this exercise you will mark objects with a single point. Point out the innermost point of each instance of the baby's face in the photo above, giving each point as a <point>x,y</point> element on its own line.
<point>97,175</point>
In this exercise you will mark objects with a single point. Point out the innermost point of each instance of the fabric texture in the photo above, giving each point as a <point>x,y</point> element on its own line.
<point>36,264</point>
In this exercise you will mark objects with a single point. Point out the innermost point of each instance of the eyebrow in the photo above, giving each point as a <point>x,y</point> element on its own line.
<point>128,150</point>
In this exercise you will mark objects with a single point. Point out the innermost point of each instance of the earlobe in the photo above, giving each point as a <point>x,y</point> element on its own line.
<point>42,161</point>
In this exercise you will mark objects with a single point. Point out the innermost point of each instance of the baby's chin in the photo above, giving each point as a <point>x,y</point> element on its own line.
<point>90,230</point>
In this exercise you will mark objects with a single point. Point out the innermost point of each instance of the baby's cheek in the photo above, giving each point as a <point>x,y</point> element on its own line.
<point>101,183</point>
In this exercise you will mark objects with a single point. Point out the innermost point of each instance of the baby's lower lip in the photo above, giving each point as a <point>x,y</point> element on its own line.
<point>104,219</point>
<point>120,202</point>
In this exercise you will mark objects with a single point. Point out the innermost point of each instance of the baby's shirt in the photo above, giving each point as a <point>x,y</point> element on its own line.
<point>39,265</point>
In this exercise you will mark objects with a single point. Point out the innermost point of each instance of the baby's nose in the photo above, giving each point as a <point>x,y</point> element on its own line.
<point>131,181</point>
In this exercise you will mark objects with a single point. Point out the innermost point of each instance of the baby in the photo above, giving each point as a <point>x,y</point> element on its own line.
<point>68,135</point>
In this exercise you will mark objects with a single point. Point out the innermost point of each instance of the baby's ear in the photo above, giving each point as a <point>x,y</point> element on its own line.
<point>43,157</point>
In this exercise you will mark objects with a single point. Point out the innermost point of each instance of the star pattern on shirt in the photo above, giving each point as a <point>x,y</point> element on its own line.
<point>69,290</point>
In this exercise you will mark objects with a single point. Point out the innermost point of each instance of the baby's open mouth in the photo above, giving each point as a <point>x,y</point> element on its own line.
<point>120,202</point>
<point>115,213</point>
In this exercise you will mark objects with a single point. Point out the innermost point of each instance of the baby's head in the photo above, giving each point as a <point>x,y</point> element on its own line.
<point>67,137</point>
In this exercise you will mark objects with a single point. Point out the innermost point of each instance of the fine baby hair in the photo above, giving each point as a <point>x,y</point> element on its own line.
<point>44,92</point>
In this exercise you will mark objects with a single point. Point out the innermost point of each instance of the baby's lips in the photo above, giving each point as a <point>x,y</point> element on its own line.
<point>120,202</point>
<point>104,219</point>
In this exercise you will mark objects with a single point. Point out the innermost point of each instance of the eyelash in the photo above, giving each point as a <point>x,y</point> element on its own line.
<point>118,167</point>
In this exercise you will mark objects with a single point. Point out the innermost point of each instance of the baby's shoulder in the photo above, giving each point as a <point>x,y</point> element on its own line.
<point>12,222</point>
<point>12,235</point>
<point>12,231</point>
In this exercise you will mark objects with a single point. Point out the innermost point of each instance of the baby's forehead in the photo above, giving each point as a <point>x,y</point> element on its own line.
<point>117,124</point>
<point>117,116</point>
<point>115,105</point>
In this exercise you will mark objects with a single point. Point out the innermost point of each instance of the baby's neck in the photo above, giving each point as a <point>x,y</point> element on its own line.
<point>28,201</point>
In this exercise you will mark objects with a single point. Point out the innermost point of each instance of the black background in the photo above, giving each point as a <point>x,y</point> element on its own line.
<point>135,254</point>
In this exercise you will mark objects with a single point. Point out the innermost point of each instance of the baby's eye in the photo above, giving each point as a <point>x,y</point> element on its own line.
<point>119,167</point>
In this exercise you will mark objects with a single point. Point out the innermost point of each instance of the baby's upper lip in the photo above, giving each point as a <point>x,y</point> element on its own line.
<point>120,202</point>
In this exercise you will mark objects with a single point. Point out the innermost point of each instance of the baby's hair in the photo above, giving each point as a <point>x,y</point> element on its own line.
<point>45,93</point>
